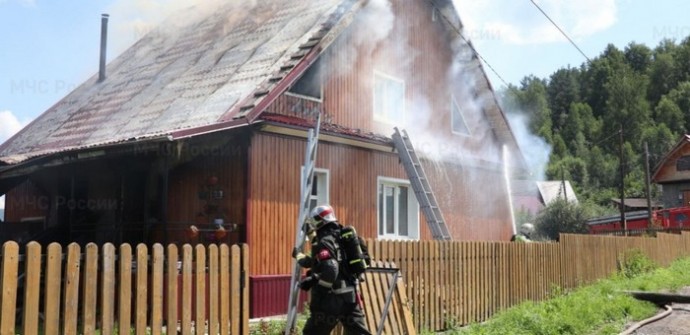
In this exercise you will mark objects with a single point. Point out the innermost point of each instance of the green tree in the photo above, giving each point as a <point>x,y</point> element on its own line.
<point>670,115</point>
<point>638,56</point>
<point>663,75</point>
<point>562,90</point>
<point>561,216</point>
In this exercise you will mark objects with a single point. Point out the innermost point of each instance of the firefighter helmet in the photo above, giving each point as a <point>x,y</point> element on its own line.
<point>322,214</point>
<point>527,229</point>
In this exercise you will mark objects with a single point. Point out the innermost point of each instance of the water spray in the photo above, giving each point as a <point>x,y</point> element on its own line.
<point>508,188</point>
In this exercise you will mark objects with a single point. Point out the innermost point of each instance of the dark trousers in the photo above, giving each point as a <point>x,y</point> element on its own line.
<point>327,309</point>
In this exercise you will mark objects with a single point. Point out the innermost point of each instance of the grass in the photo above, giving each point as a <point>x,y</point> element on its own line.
<point>599,308</point>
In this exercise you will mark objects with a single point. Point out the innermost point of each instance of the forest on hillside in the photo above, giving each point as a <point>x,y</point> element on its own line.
<point>640,92</point>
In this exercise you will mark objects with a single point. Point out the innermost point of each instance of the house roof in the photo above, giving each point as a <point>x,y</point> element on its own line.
<point>637,202</point>
<point>193,74</point>
<point>552,190</point>
<point>200,72</point>
<point>678,148</point>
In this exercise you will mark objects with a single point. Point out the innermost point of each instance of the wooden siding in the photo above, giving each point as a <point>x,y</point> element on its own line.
<point>186,181</point>
<point>275,163</point>
<point>668,172</point>
<point>416,51</point>
<point>26,201</point>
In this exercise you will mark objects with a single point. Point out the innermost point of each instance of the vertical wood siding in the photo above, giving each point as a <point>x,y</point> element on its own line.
<point>275,187</point>
<point>24,201</point>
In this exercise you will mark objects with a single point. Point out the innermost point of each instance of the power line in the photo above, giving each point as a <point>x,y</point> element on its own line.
<point>561,30</point>
<point>457,30</point>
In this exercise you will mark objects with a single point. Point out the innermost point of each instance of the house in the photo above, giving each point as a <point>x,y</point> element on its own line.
<point>530,197</point>
<point>204,122</point>
<point>673,174</point>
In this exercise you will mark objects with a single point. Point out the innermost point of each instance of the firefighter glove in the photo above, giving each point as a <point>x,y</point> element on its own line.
<point>307,283</point>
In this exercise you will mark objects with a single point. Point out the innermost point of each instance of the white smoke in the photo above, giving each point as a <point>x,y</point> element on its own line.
<point>535,150</point>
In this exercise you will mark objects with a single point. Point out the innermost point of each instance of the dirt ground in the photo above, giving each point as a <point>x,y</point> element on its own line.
<point>678,323</point>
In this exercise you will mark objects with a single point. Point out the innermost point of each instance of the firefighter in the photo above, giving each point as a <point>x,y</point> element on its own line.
<point>334,296</point>
<point>525,234</point>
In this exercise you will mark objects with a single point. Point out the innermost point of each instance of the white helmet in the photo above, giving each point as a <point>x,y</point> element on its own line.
<point>527,228</point>
<point>322,214</point>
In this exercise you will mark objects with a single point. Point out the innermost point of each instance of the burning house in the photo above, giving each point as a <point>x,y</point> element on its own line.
<point>203,123</point>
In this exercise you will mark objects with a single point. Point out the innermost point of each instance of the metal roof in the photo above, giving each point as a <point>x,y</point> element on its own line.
<point>194,73</point>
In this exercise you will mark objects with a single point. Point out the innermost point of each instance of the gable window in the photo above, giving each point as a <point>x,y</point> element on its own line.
<point>310,84</point>
<point>389,99</point>
<point>458,124</point>
<point>683,163</point>
<point>398,211</point>
<point>319,189</point>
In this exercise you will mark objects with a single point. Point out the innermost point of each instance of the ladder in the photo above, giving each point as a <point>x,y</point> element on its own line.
<point>420,184</point>
<point>301,237</point>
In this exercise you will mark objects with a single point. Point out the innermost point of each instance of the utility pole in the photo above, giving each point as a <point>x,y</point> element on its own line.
<point>647,185</point>
<point>622,168</point>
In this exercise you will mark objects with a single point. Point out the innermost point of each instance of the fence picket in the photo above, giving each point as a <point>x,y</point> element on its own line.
<point>158,264</point>
<point>32,275</point>
<point>125,290</point>
<point>171,292</point>
<point>186,323</point>
<point>8,281</point>
<point>141,290</point>
<point>52,289</point>
<point>71,295</point>
<point>90,289</point>
<point>108,289</point>
<point>213,289</point>
<point>200,292</point>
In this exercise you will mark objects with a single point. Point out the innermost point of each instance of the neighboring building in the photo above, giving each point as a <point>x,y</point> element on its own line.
<point>530,197</point>
<point>673,174</point>
<point>636,204</point>
<point>205,118</point>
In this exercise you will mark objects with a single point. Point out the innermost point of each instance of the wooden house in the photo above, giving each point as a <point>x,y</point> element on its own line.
<point>204,121</point>
<point>673,174</point>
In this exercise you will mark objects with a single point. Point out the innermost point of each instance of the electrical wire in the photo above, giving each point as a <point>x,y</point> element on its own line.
<point>561,30</point>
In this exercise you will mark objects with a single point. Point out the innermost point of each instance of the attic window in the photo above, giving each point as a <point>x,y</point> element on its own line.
<point>389,99</point>
<point>683,163</point>
<point>310,84</point>
<point>457,120</point>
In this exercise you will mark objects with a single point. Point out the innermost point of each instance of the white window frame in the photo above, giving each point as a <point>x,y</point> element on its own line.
<point>324,185</point>
<point>379,115</point>
<point>454,103</point>
<point>412,210</point>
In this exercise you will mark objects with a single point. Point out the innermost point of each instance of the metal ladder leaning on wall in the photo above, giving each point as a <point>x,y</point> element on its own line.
<point>307,181</point>
<point>420,184</point>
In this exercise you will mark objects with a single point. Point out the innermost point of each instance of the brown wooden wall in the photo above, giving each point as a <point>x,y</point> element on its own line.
<point>228,165</point>
<point>274,187</point>
<point>24,201</point>
<point>417,51</point>
<point>275,162</point>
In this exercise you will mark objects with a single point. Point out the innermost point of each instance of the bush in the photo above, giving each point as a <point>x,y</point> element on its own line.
<point>634,262</point>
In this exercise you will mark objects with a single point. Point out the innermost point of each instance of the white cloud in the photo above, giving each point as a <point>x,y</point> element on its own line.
<point>520,22</point>
<point>26,3</point>
<point>9,125</point>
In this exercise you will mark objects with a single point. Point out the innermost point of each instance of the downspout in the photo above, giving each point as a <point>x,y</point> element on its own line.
<point>508,188</point>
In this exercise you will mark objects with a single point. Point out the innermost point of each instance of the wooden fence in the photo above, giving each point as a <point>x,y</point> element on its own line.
<point>450,282</point>
<point>147,291</point>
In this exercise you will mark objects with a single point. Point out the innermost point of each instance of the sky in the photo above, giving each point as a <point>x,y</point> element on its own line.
<point>47,48</point>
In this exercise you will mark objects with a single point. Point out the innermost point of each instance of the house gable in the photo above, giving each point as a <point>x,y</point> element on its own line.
<point>675,166</point>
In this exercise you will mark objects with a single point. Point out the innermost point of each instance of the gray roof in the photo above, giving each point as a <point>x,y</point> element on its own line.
<point>192,71</point>
<point>552,190</point>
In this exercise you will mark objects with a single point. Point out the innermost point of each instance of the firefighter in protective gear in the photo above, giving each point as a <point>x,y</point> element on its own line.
<point>525,234</point>
<point>334,296</point>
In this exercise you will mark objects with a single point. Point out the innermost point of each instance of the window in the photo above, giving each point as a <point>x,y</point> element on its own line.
<point>309,85</point>
<point>398,211</point>
<point>683,163</point>
<point>457,120</point>
<point>319,189</point>
<point>389,99</point>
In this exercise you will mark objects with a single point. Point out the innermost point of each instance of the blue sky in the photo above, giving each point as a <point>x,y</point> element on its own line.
<point>49,47</point>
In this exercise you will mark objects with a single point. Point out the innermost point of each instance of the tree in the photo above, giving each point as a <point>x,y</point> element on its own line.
<point>662,76</point>
<point>670,115</point>
<point>562,91</point>
<point>638,56</point>
<point>561,216</point>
